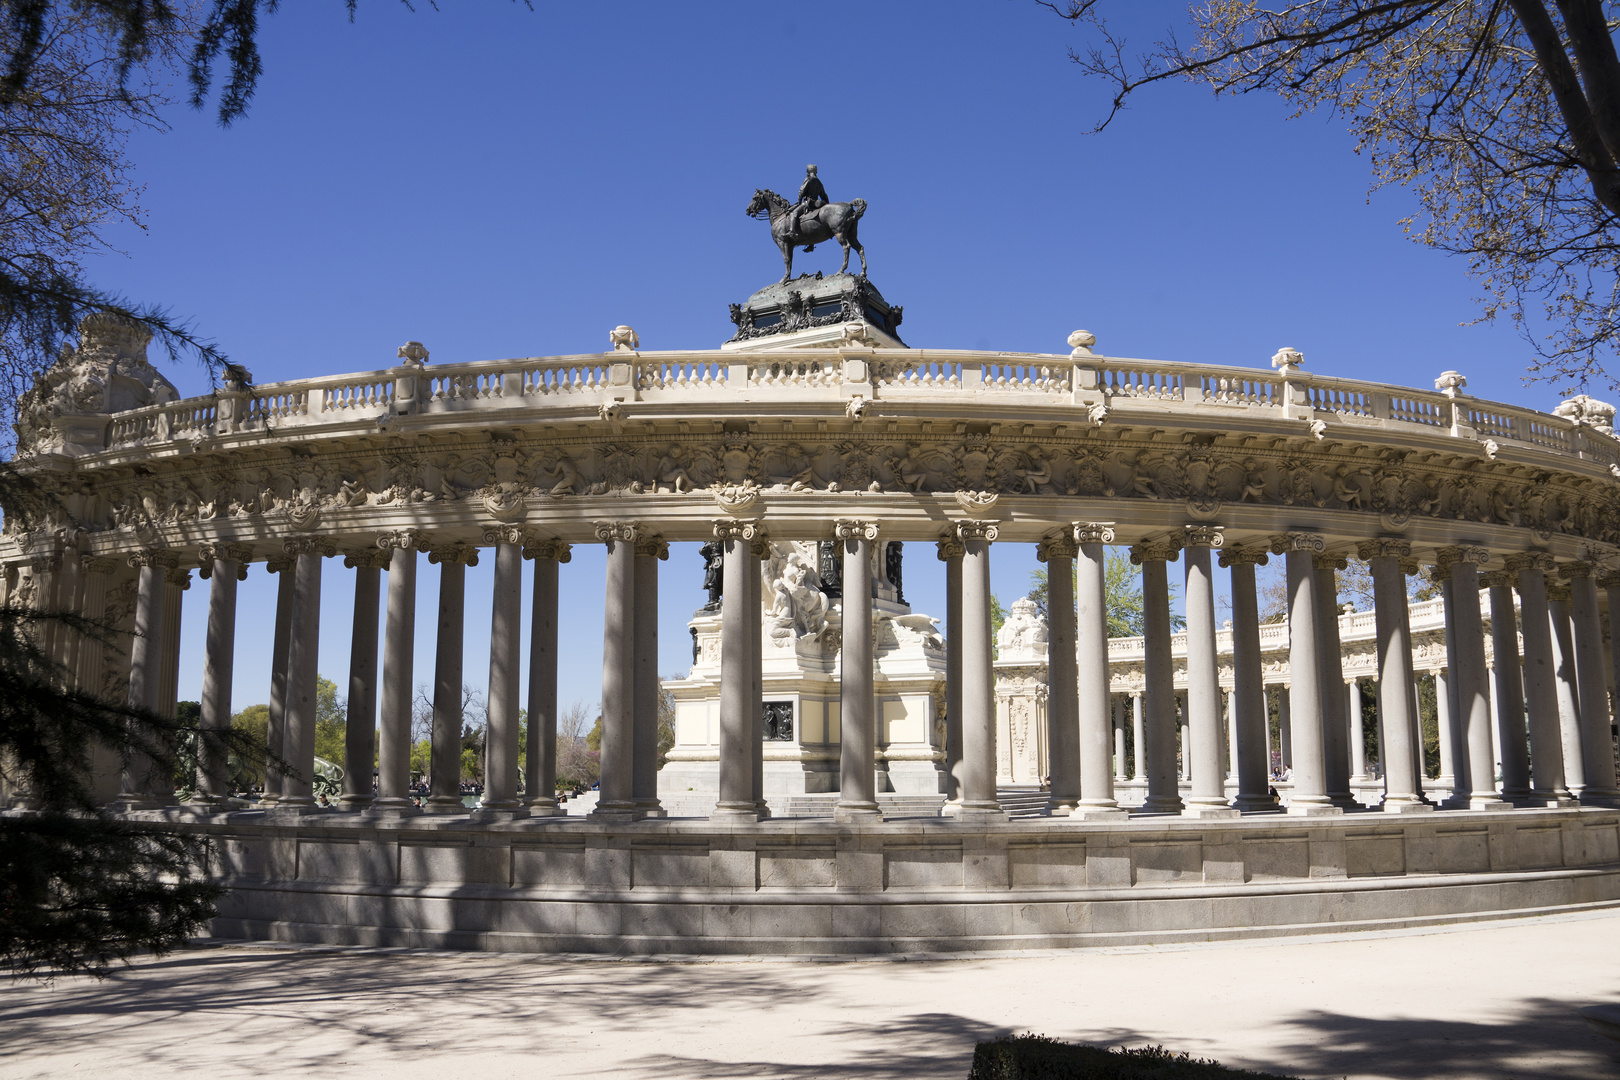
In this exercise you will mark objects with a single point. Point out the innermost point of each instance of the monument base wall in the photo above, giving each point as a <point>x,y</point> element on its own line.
<point>808,886</point>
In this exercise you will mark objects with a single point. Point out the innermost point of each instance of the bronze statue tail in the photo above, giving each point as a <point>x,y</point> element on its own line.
<point>860,207</point>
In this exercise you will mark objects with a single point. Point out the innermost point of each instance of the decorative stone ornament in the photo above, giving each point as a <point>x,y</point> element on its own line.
<point>1209,536</point>
<point>539,548</point>
<point>1081,341</point>
<point>1588,412</point>
<point>1092,532</point>
<point>1023,635</point>
<point>978,530</point>
<point>413,353</point>
<point>853,530</point>
<point>624,339</point>
<point>1298,541</point>
<point>1450,383</point>
<point>1287,360</point>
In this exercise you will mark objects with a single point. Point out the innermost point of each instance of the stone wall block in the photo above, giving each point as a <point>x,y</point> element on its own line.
<point>985,863</point>
<point>607,863</point>
<point>1374,855</point>
<point>1329,856</point>
<point>672,866</point>
<point>923,866</point>
<point>1276,858</point>
<point>733,869</point>
<point>1109,864</point>
<point>1223,861</point>
<point>797,867</point>
<point>859,870</point>
<point>1462,851</point>
<point>1051,864</point>
<point>553,865</point>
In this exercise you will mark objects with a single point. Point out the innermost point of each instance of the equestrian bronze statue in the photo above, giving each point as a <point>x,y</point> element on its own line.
<point>809,222</point>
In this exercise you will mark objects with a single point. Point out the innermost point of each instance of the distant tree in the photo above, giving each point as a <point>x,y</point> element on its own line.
<point>577,760</point>
<point>252,724</point>
<point>666,722</point>
<point>331,721</point>
<point>1502,115</point>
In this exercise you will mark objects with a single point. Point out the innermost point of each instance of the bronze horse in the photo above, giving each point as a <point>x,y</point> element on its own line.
<point>835,221</point>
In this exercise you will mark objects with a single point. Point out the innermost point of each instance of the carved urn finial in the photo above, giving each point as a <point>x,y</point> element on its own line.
<point>414,353</point>
<point>1081,342</point>
<point>1450,383</point>
<point>1288,360</point>
<point>624,339</point>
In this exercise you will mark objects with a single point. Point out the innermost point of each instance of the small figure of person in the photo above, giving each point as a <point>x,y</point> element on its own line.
<point>812,197</point>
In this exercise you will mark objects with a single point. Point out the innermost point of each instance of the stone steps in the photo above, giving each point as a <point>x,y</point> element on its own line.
<point>1022,802</point>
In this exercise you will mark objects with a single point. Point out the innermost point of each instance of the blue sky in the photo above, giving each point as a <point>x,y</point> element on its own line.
<point>499,182</point>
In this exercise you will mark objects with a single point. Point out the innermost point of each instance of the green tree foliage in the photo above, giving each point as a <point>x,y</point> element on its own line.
<point>1122,588</point>
<point>253,725</point>
<point>666,722</point>
<point>331,721</point>
<point>1502,116</point>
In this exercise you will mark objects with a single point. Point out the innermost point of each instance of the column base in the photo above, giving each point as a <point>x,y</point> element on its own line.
<point>1213,813</point>
<point>977,813</point>
<point>1489,802</point>
<point>392,808</point>
<point>1608,799</point>
<point>1110,811</point>
<point>613,812</point>
<point>1406,806</point>
<point>764,809</point>
<point>444,804</point>
<point>1061,807</point>
<point>1255,804</point>
<point>498,813</point>
<point>735,815</point>
<point>857,813</point>
<point>1556,801</point>
<point>1314,810</point>
<point>1162,804</point>
<point>356,802</point>
<point>1346,801</point>
<point>644,813</point>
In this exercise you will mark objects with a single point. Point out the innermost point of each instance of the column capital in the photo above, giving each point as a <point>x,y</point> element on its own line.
<point>1207,536</point>
<point>1283,543</point>
<point>367,558</point>
<point>851,529</point>
<point>453,554</point>
<point>1384,547</point>
<point>174,576</point>
<point>161,558</point>
<point>100,564</point>
<point>309,545</point>
<point>1252,555</point>
<point>1329,560</point>
<point>1411,567</point>
<point>1056,547</point>
<point>505,534</point>
<point>542,548</point>
<point>1093,532</point>
<point>1575,570</point>
<point>950,548</point>
<point>1609,578</point>
<point>652,547</point>
<point>240,554</point>
<point>610,531</point>
<point>1498,579</point>
<point>1558,591</point>
<point>279,564</point>
<point>1448,557</point>
<point>735,529</point>
<point>978,530</point>
<point>760,546</point>
<point>1530,560</point>
<point>403,540</point>
<point>1166,550</point>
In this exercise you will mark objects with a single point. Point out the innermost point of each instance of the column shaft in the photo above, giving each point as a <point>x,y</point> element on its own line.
<point>1597,744</point>
<point>1509,698</point>
<point>1335,722</point>
<point>1119,739</point>
<point>1305,690</point>
<point>1467,623</point>
<point>399,648</point>
<point>1358,732</point>
<point>219,657</point>
<point>541,766</point>
<point>1445,730</point>
<point>756,671</point>
<point>979,799</point>
<point>1090,676</point>
<point>1208,796</point>
<point>950,552</point>
<point>1397,705</point>
<point>276,726</point>
<point>444,796</point>
<point>1567,685</point>
<point>617,800</point>
<point>360,727</point>
<point>1138,740</point>
<point>736,796</point>
<point>139,780</point>
<point>505,677</point>
<point>1063,694</point>
<point>1159,693</point>
<point>1540,684</point>
<point>303,655</point>
<point>857,778</point>
<point>645,766</point>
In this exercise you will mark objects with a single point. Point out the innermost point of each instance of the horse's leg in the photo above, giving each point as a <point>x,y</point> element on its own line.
<point>855,242</point>
<point>844,266</point>
<point>787,260</point>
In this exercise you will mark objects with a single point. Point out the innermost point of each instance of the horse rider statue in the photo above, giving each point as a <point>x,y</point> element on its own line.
<point>812,197</point>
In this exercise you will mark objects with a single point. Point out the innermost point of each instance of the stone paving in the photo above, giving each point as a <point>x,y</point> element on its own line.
<point>1485,1001</point>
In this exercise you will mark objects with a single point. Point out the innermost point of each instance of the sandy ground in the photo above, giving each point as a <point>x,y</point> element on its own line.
<point>1492,1001</point>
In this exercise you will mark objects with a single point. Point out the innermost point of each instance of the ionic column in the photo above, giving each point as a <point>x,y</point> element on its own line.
<point>176,583</point>
<point>303,656</point>
<point>223,565</point>
<point>1335,724</point>
<point>89,669</point>
<point>1358,732</point>
<point>1397,703</point>
<point>950,553</point>
<point>275,733</point>
<point>1138,740</point>
<point>360,720</point>
<point>1305,691</point>
<point>541,752</point>
<point>650,550</point>
<point>1208,795</point>
<point>1159,692</point>
<point>1566,684</point>
<point>1089,677</point>
<point>1063,738</point>
<point>399,650</point>
<point>444,769</point>
<point>140,784</point>
<point>1610,580</point>
<point>1285,729</point>
<point>1186,741</point>
<point>1540,681</point>
<point>979,802</point>
<point>1597,745</point>
<point>1476,789</point>
<point>736,795</point>
<point>1251,726</point>
<point>617,801</point>
<point>857,756</point>
<point>1119,739</point>
<point>505,660</point>
<point>1229,732</point>
<point>1509,697</point>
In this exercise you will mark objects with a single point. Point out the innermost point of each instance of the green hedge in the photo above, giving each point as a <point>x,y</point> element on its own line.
<point>1036,1057</point>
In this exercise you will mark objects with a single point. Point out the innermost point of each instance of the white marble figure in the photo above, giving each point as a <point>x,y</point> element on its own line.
<point>1023,635</point>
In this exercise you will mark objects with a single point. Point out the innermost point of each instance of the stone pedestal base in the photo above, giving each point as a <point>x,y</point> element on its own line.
<point>735,817</point>
<point>974,815</point>
<point>1099,813</point>
<point>1489,803</point>
<point>1296,810</point>
<point>514,813</point>
<point>1407,807</point>
<point>1211,812</point>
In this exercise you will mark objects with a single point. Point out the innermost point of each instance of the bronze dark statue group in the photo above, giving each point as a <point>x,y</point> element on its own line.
<point>810,221</point>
